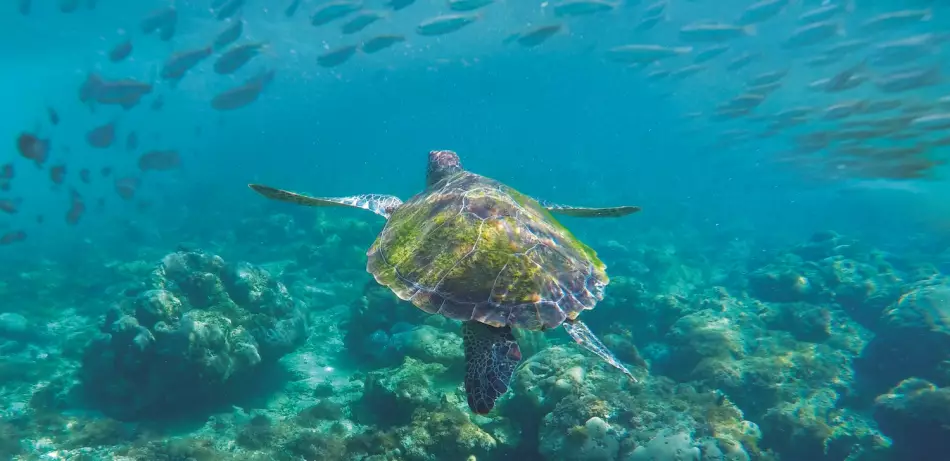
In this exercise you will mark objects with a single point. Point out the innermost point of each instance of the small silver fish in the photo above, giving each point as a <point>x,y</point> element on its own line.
<point>121,51</point>
<point>823,13</point>
<point>336,56</point>
<point>331,11</point>
<point>655,9</point>
<point>179,63</point>
<point>649,22</point>
<point>468,5</point>
<point>844,110</point>
<point>741,61</point>
<point>761,11</point>
<point>642,54</point>
<point>767,78</point>
<point>687,71</point>
<point>881,105</point>
<point>710,53</point>
<point>906,50</point>
<point>167,32</point>
<point>713,32</point>
<point>795,112</point>
<point>292,8</point>
<point>237,57</point>
<point>381,42</point>
<point>582,7</point>
<point>537,35</point>
<point>764,89</point>
<point>243,95</point>
<point>229,9</point>
<point>896,20</point>
<point>229,35</point>
<point>361,21</point>
<point>846,79</point>
<point>158,19</point>
<point>397,5</point>
<point>658,75</point>
<point>932,122</point>
<point>812,34</point>
<point>847,47</point>
<point>912,79</point>
<point>441,25</point>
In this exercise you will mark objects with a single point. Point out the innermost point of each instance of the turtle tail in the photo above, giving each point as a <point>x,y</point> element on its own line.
<point>491,356</point>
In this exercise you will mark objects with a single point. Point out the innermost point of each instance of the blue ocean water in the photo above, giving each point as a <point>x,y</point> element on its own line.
<point>775,300</point>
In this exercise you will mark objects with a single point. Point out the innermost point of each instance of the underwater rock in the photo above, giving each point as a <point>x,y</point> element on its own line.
<point>447,432</point>
<point>199,327</point>
<point>862,289</point>
<point>593,440</point>
<point>157,306</point>
<point>778,370</point>
<point>391,396</point>
<point>916,416</point>
<point>913,338</point>
<point>667,447</point>
<point>830,270</point>
<point>800,429</point>
<point>624,348</point>
<point>552,394</point>
<point>806,322</point>
<point>14,326</point>
<point>722,450</point>
<point>432,345</point>
<point>702,337</point>
<point>583,412</point>
<point>543,380</point>
<point>788,279</point>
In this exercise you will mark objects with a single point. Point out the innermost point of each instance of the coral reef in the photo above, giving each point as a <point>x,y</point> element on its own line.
<point>199,325</point>
<point>826,350</point>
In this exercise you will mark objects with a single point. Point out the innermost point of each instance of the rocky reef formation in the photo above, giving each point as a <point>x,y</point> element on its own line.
<point>196,326</point>
<point>825,351</point>
<point>916,415</point>
<point>913,339</point>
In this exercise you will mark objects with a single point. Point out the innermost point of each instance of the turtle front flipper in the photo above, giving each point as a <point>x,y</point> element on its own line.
<point>585,212</point>
<point>491,356</point>
<point>382,205</point>
<point>583,336</point>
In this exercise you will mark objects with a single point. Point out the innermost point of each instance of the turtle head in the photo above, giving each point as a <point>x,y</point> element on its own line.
<point>442,163</point>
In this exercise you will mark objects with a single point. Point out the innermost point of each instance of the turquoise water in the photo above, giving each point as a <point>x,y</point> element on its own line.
<point>777,297</point>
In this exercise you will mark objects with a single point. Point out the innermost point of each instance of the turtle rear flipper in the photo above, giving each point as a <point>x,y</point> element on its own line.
<point>491,356</point>
<point>586,212</point>
<point>382,205</point>
<point>583,336</point>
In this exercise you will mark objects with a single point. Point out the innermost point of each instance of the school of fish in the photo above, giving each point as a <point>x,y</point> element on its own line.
<point>874,111</point>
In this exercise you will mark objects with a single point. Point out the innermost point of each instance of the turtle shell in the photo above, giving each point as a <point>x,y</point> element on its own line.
<point>471,248</point>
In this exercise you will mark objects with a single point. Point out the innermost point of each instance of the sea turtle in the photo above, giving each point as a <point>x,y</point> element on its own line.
<point>473,249</point>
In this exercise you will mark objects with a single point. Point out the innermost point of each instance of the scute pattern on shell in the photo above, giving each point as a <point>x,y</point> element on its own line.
<point>471,248</point>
